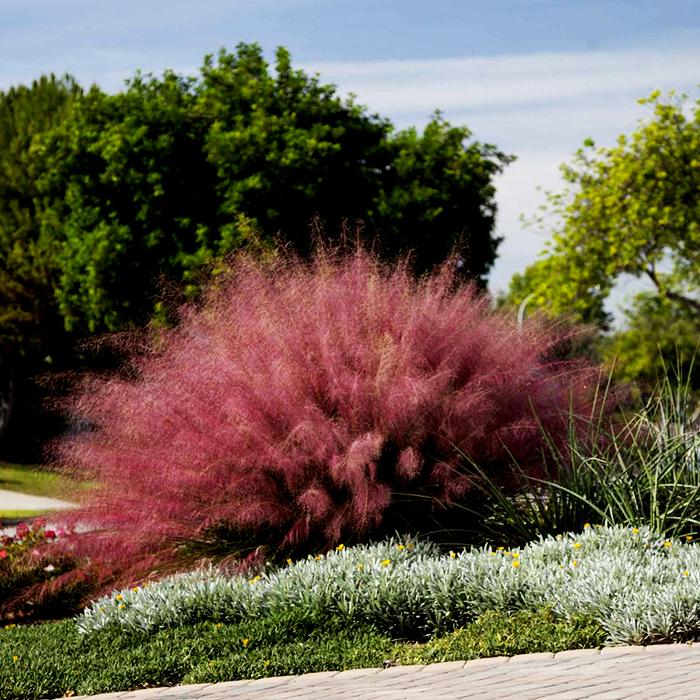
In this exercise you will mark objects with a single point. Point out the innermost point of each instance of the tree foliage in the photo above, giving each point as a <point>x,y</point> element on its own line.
<point>633,208</point>
<point>28,252</point>
<point>112,207</point>
<point>630,209</point>
<point>172,173</point>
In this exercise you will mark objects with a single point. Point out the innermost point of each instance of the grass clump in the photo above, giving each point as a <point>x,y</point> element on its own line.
<point>642,469</point>
<point>293,410</point>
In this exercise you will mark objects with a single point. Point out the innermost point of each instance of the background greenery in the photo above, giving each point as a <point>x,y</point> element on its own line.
<point>113,206</point>
<point>633,209</point>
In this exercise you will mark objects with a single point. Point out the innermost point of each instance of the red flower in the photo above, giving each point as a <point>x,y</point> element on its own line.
<point>3,553</point>
<point>22,531</point>
<point>49,534</point>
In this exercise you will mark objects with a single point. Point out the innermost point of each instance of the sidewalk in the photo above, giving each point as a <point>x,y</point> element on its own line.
<point>13,500</point>
<point>614,673</point>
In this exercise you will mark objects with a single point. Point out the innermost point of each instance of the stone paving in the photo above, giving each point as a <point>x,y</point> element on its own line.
<point>614,673</point>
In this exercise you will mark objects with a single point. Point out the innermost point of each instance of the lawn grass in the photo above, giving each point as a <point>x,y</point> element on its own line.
<point>33,480</point>
<point>54,660</point>
<point>19,514</point>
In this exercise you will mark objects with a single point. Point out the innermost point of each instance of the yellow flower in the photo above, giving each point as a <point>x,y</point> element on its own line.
<point>688,538</point>
<point>119,596</point>
<point>218,625</point>
<point>686,572</point>
<point>340,548</point>
<point>121,606</point>
<point>586,526</point>
<point>668,544</point>
<point>574,563</point>
<point>515,555</point>
<point>135,589</point>
<point>516,563</point>
<point>266,663</point>
<point>500,549</point>
<point>15,658</point>
<point>255,579</point>
<point>360,567</point>
<point>400,547</point>
<point>635,530</point>
<point>244,642</point>
<point>9,627</point>
<point>576,545</point>
<point>452,555</point>
<point>318,557</point>
<point>290,562</point>
<point>386,562</point>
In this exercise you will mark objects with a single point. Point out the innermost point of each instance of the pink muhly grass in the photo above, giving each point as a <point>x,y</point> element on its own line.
<point>291,407</point>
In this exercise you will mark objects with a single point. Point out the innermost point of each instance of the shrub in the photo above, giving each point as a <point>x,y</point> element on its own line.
<point>641,588</point>
<point>294,407</point>
<point>39,578</point>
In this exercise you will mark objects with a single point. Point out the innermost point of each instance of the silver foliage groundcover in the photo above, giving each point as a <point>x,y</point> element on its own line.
<point>640,587</point>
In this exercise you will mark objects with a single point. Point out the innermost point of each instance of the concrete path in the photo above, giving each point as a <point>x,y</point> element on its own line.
<point>614,673</point>
<point>13,500</point>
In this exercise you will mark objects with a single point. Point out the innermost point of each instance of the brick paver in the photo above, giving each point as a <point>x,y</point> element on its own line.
<point>615,673</point>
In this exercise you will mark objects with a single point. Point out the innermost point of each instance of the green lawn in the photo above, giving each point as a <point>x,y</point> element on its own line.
<point>54,660</point>
<point>33,480</point>
<point>19,514</point>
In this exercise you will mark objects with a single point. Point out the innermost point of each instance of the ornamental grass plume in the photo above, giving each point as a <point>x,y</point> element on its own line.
<point>283,414</point>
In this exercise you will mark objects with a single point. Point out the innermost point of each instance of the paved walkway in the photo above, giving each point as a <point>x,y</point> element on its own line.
<point>13,500</point>
<point>642,673</point>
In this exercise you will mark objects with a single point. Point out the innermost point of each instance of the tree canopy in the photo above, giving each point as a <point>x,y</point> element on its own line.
<point>27,251</point>
<point>107,200</point>
<point>633,208</point>
<point>154,181</point>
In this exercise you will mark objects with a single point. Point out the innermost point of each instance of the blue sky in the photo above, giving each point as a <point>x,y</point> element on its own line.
<point>535,77</point>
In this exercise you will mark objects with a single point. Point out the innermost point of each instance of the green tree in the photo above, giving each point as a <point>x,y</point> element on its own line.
<point>126,200</point>
<point>437,195</point>
<point>633,209</point>
<point>131,196</point>
<point>660,337</point>
<point>28,254</point>
<point>154,182</point>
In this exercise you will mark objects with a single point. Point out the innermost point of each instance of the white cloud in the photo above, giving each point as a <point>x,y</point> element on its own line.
<point>539,107</point>
<point>503,81</point>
